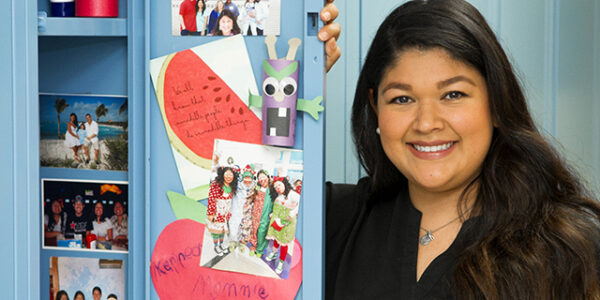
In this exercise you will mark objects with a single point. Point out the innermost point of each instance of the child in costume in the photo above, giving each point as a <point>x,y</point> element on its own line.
<point>218,210</point>
<point>282,228</point>
<point>256,223</point>
<point>237,206</point>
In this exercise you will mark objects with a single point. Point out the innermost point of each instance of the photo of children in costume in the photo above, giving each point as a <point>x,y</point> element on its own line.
<point>239,234</point>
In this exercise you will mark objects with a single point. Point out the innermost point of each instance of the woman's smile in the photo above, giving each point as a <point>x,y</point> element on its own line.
<point>431,150</point>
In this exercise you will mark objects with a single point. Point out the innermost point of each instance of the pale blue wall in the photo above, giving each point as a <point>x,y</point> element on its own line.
<point>553,44</point>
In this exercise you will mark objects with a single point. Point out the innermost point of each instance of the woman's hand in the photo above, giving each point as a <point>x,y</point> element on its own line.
<point>210,218</point>
<point>330,33</point>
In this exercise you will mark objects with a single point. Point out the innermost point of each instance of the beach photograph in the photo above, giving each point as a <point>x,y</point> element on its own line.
<point>84,131</point>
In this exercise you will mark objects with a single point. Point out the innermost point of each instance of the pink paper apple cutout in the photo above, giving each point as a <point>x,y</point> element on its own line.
<point>176,273</point>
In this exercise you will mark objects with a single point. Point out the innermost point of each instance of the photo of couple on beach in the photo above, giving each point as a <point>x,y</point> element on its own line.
<point>83,132</point>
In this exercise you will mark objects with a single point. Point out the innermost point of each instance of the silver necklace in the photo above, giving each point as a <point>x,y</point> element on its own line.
<point>428,236</point>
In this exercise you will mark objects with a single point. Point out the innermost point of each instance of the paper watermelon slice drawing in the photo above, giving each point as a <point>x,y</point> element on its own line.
<point>198,106</point>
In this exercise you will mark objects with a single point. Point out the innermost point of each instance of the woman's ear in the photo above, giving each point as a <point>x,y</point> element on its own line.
<point>372,101</point>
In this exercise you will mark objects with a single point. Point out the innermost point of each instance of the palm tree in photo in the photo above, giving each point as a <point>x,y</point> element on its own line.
<point>101,111</point>
<point>59,105</point>
<point>122,109</point>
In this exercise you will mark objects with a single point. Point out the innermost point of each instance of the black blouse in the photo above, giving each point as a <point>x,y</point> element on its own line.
<point>371,247</point>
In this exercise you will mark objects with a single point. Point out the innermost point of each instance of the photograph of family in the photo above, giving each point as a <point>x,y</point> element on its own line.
<point>225,17</point>
<point>83,132</point>
<point>85,214</point>
<point>78,278</point>
<point>252,209</point>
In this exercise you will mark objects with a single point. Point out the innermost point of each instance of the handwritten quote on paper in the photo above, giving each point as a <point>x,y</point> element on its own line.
<point>201,107</point>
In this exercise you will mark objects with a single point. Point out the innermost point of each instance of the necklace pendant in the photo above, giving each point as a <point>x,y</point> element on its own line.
<point>426,238</point>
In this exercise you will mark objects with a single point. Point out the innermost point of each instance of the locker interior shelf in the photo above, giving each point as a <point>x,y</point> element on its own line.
<point>84,27</point>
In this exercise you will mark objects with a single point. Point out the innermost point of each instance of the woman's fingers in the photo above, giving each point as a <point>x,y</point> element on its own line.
<point>329,12</point>
<point>330,33</point>
<point>333,53</point>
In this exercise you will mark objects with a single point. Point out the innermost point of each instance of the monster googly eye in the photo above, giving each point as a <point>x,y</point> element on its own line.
<point>289,86</point>
<point>270,86</point>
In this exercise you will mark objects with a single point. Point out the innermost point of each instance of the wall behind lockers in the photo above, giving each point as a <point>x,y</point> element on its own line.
<point>554,46</point>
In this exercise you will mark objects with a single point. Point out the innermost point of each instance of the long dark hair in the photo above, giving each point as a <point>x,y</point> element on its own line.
<point>537,225</point>
<point>203,6</point>
<point>61,293</point>
<point>226,13</point>
<point>75,122</point>
<point>79,293</point>
<point>286,184</point>
<point>221,178</point>
<point>51,222</point>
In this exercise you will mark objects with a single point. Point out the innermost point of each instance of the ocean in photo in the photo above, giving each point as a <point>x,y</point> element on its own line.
<point>48,130</point>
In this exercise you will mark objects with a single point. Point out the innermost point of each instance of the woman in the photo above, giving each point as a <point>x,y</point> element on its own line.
<point>256,215</point>
<point>282,225</point>
<point>262,14</point>
<point>119,223</point>
<point>226,24</point>
<point>248,18</point>
<point>103,227</point>
<point>464,199</point>
<point>202,15</point>
<point>218,212</point>
<point>54,224</point>
<point>237,206</point>
<point>214,16</point>
<point>71,137</point>
<point>79,296</point>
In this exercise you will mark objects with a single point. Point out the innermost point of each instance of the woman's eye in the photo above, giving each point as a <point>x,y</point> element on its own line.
<point>454,95</point>
<point>401,100</point>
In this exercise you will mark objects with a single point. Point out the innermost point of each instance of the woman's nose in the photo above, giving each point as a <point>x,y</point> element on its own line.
<point>427,118</point>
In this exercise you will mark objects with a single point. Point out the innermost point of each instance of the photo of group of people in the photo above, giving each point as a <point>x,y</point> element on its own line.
<point>75,278</point>
<point>85,215</point>
<point>252,209</point>
<point>84,132</point>
<point>225,17</point>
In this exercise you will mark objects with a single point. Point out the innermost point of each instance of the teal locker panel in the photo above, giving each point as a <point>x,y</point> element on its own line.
<point>162,175</point>
<point>7,216</point>
<point>577,109</point>
<point>18,168</point>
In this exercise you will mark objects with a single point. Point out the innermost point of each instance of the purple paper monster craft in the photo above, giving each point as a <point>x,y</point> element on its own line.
<point>280,97</point>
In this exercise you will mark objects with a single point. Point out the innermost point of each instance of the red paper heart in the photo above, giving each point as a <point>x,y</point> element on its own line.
<point>200,107</point>
<point>176,272</point>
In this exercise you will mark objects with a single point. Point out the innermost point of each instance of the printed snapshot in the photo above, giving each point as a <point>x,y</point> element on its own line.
<point>85,214</point>
<point>225,17</point>
<point>252,209</point>
<point>83,132</point>
<point>86,278</point>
